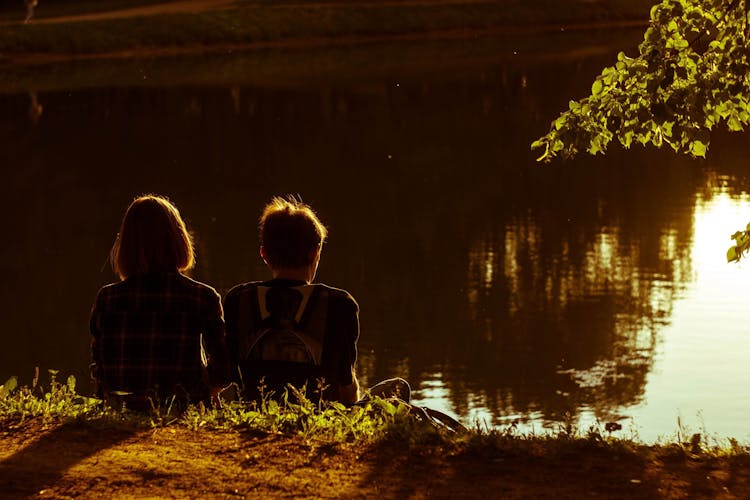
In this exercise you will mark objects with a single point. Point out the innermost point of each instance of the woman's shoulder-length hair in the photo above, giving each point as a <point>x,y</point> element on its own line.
<point>152,238</point>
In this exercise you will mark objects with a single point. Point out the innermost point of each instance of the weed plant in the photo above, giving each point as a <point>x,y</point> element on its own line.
<point>293,413</point>
<point>321,423</point>
<point>57,402</point>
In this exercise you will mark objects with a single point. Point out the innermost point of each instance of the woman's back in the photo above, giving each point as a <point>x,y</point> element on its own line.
<point>147,335</point>
<point>157,333</point>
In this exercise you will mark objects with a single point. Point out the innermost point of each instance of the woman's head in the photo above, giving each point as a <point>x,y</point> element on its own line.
<point>152,238</point>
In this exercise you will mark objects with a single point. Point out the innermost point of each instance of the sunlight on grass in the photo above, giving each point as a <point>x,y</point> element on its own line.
<point>291,414</point>
<point>325,423</point>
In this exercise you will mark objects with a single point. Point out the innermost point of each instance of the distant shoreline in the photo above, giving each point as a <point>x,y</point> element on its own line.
<point>219,26</point>
<point>308,62</point>
<point>41,58</point>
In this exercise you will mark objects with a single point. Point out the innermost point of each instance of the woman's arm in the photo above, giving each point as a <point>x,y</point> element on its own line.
<point>214,340</point>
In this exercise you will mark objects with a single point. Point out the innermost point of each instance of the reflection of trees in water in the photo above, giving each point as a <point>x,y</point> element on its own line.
<point>568,273</point>
<point>578,323</point>
<point>35,109</point>
<point>468,260</point>
<point>565,301</point>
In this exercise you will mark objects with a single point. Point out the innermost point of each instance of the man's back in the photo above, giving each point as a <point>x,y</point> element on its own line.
<point>290,332</point>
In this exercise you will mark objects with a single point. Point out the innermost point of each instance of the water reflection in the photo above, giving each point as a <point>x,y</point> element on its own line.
<point>701,369</point>
<point>564,301</point>
<point>499,288</point>
<point>571,316</point>
<point>35,109</point>
<point>604,314</point>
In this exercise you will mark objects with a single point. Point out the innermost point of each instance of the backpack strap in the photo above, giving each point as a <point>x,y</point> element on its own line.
<point>308,324</point>
<point>305,291</point>
<point>313,319</point>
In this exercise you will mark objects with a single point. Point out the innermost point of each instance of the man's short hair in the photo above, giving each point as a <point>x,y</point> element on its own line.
<point>289,232</point>
<point>152,238</point>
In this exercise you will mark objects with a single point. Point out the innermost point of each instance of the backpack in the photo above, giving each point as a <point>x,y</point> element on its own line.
<point>285,343</point>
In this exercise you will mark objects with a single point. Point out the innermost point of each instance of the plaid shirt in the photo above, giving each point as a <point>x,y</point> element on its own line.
<point>159,334</point>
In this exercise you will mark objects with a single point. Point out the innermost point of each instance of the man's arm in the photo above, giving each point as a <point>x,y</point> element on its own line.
<point>231,319</point>
<point>349,394</point>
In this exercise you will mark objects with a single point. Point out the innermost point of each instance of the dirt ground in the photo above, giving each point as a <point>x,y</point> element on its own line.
<point>84,460</point>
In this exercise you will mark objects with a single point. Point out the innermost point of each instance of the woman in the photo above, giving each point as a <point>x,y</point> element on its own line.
<point>157,334</point>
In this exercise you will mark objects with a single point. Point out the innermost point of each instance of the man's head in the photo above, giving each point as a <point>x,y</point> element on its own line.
<point>291,234</point>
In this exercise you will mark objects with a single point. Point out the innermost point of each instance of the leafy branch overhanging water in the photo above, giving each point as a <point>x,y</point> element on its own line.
<point>690,76</point>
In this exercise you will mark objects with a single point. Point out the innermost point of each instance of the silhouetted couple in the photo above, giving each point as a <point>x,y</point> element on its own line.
<point>159,336</point>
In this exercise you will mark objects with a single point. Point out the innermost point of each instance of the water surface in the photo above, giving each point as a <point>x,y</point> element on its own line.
<point>583,291</point>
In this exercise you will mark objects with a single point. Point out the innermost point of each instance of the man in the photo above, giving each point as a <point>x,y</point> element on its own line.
<point>288,330</point>
<point>30,6</point>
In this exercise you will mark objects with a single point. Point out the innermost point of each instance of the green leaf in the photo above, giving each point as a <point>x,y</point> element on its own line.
<point>742,245</point>
<point>698,148</point>
<point>657,138</point>
<point>732,255</point>
<point>691,70</point>
<point>627,138</point>
<point>609,75</point>
<point>337,406</point>
<point>538,144</point>
<point>734,124</point>
<point>8,387</point>
<point>677,42</point>
<point>597,87</point>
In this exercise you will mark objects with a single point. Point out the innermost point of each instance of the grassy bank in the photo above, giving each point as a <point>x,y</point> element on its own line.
<point>251,23</point>
<point>324,423</point>
<point>56,443</point>
<point>295,415</point>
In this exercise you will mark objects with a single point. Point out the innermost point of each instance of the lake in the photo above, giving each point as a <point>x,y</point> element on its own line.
<point>506,292</point>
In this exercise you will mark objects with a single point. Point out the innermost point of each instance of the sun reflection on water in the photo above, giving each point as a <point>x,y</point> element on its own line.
<point>701,370</point>
<point>433,393</point>
<point>642,326</point>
